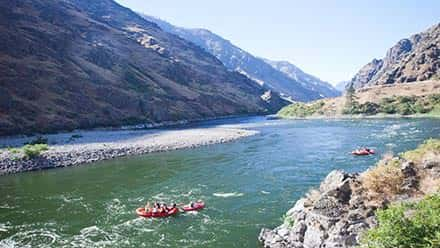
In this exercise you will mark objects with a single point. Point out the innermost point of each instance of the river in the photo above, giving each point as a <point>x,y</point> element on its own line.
<point>247,185</point>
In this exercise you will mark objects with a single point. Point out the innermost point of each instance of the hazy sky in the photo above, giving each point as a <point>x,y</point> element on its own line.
<point>329,39</point>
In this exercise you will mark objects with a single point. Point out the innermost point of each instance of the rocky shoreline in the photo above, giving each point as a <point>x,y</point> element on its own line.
<point>92,146</point>
<point>336,214</point>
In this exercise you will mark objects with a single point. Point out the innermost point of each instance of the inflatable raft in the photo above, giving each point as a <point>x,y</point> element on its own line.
<point>196,206</point>
<point>363,152</point>
<point>141,212</point>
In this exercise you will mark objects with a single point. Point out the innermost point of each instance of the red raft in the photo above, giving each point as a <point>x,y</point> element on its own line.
<point>195,207</point>
<point>363,152</point>
<point>141,212</point>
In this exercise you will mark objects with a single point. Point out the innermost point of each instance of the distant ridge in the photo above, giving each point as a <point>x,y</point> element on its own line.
<point>282,77</point>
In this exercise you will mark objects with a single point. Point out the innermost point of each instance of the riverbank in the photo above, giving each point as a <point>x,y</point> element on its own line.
<point>83,147</point>
<point>343,210</point>
<point>421,99</point>
<point>359,116</point>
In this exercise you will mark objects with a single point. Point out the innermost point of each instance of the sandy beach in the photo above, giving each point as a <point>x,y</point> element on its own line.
<point>83,147</point>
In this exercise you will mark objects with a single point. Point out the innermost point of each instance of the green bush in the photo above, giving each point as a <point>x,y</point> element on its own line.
<point>405,108</point>
<point>13,150</point>
<point>289,221</point>
<point>32,151</point>
<point>369,108</point>
<point>422,107</point>
<point>301,109</point>
<point>406,225</point>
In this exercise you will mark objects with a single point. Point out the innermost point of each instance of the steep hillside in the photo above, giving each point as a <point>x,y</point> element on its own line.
<point>306,80</point>
<point>414,59</point>
<point>69,64</point>
<point>287,79</point>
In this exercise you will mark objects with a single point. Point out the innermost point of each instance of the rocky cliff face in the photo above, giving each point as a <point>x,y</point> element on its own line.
<point>67,64</point>
<point>281,77</point>
<point>334,216</point>
<point>414,59</point>
<point>344,206</point>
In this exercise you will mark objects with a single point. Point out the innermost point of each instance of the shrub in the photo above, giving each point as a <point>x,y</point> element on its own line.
<point>385,179</point>
<point>435,111</point>
<point>32,151</point>
<point>405,108</point>
<point>289,221</point>
<point>422,107</point>
<point>369,108</point>
<point>406,225</point>
<point>13,150</point>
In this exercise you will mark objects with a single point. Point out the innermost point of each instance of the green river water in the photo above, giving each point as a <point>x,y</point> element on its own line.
<point>247,185</point>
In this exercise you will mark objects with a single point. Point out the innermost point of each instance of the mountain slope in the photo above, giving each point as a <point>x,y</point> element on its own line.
<point>69,64</point>
<point>305,79</point>
<point>297,87</point>
<point>414,59</point>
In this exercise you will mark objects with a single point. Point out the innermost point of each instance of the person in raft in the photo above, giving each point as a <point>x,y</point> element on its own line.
<point>173,206</point>
<point>164,208</point>
<point>147,207</point>
<point>192,204</point>
<point>156,208</point>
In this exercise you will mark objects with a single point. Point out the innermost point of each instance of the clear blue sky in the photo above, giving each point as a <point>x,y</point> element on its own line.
<point>329,39</point>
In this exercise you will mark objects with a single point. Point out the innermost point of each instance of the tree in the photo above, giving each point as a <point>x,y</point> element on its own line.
<point>351,104</point>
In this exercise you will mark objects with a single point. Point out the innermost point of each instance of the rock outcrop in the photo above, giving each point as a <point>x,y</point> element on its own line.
<point>414,59</point>
<point>334,216</point>
<point>68,64</point>
<point>338,213</point>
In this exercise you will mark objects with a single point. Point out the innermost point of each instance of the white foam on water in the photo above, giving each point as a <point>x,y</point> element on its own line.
<point>31,238</point>
<point>227,195</point>
<point>192,213</point>
<point>93,236</point>
<point>265,192</point>
<point>4,227</point>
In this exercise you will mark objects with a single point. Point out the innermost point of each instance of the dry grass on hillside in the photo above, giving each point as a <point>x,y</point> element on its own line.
<point>385,180</point>
<point>334,106</point>
<point>376,93</point>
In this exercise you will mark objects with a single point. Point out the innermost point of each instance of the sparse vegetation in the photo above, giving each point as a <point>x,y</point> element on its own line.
<point>385,179</point>
<point>301,109</point>
<point>288,221</point>
<point>428,105</point>
<point>28,151</point>
<point>32,151</point>
<point>406,225</point>
<point>430,146</point>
